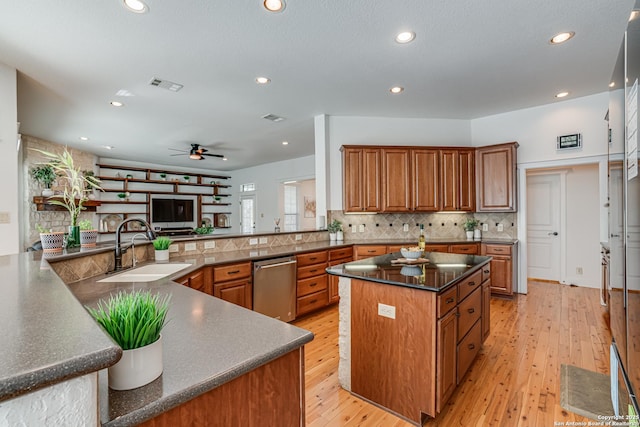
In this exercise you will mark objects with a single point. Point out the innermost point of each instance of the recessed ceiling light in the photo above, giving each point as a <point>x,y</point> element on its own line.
<point>405,37</point>
<point>396,89</point>
<point>107,147</point>
<point>634,14</point>
<point>136,6</point>
<point>84,138</point>
<point>562,37</point>
<point>561,94</point>
<point>116,103</point>
<point>274,5</point>
<point>285,142</point>
<point>612,84</point>
<point>263,80</point>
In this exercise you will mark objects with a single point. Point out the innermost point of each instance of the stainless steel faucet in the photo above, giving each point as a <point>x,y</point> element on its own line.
<point>151,235</point>
<point>133,247</point>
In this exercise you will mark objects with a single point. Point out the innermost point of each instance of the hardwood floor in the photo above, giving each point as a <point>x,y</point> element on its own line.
<point>514,381</point>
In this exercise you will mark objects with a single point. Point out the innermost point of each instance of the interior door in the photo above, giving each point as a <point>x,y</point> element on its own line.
<point>248,213</point>
<point>543,226</point>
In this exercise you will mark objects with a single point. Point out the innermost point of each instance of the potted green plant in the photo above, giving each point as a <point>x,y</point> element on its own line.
<point>90,176</point>
<point>334,227</point>
<point>161,246</point>
<point>45,175</point>
<point>469,225</point>
<point>163,176</point>
<point>134,321</point>
<point>205,229</point>
<point>76,189</point>
<point>186,178</point>
<point>88,234</point>
<point>51,241</point>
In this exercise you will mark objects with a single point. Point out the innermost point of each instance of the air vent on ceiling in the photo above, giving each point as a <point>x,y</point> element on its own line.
<point>273,118</point>
<point>165,84</point>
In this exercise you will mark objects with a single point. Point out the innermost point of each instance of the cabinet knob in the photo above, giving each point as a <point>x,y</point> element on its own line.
<point>471,310</point>
<point>486,271</point>
<point>472,283</point>
<point>472,346</point>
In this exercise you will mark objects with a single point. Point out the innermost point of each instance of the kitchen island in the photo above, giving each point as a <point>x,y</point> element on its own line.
<point>410,332</point>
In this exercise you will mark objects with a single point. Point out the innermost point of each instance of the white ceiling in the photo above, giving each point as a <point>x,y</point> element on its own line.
<point>338,57</point>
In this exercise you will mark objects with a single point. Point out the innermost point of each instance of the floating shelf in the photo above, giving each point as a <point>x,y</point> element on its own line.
<point>42,204</point>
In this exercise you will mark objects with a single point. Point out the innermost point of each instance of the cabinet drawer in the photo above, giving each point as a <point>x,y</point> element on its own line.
<point>491,249</point>
<point>312,302</point>
<point>468,349</point>
<point>311,270</point>
<point>395,248</point>
<point>311,258</point>
<point>311,285</point>
<point>231,272</point>
<point>370,251</point>
<point>469,312</point>
<point>335,254</point>
<point>486,272</point>
<point>436,248</point>
<point>467,248</point>
<point>469,285</point>
<point>447,300</point>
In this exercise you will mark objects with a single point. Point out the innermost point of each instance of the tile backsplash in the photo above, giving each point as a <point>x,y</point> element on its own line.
<point>436,225</point>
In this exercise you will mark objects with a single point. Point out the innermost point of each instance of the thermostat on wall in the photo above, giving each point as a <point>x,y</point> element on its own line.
<point>567,142</point>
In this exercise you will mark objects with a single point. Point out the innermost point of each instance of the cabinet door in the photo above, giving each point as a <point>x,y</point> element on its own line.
<point>447,358</point>
<point>361,179</point>
<point>466,181</point>
<point>202,281</point>
<point>371,179</point>
<point>501,271</point>
<point>465,248</point>
<point>486,309</point>
<point>239,292</point>
<point>426,183</point>
<point>396,180</point>
<point>496,178</point>
<point>368,251</point>
<point>449,179</point>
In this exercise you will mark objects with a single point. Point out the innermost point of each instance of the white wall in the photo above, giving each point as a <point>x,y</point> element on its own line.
<point>386,131</point>
<point>268,178</point>
<point>9,163</point>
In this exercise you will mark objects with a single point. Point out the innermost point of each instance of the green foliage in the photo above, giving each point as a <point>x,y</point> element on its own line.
<point>41,229</point>
<point>85,224</point>
<point>133,320</point>
<point>44,174</point>
<point>335,226</point>
<point>470,224</point>
<point>162,243</point>
<point>204,229</point>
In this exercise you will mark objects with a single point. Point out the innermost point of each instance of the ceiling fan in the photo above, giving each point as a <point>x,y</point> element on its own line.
<point>197,153</point>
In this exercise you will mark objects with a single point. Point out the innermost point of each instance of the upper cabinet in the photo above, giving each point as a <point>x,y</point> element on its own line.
<point>361,179</point>
<point>426,192</point>
<point>396,180</point>
<point>496,178</point>
<point>457,178</point>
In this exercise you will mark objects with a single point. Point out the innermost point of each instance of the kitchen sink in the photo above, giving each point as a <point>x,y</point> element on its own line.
<point>147,273</point>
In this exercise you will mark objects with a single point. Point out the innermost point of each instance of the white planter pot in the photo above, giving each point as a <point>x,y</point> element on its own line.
<point>52,242</point>
<point>88,238</point>
<point>477,234</point>
<point>469,235</point>
<point>332,237</point>
<point>340,236</point>
<point>137,367</point>
<point>47,192</point>
<point>162,256</point>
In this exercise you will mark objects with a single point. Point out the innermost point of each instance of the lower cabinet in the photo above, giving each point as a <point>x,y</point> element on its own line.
<point>337,256</point>
<point>311,290</point>
<point>503,269</point>
<point>447,360</point>
<point>368,251</point>
<point>200,280</point>
<point>232,283</point>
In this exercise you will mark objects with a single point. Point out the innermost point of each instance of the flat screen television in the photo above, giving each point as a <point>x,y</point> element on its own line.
<point>171,210</point>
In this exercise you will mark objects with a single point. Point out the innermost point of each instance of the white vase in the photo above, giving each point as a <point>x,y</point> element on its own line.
<point>162,256</point>
<point>340,236</point>
<point>470,235</point>
<point>332,237</point>
<point>477,234</point>
<point>47,192</point>
<point>52,242</point>
<point>88,238</point>
<point>137,367</point>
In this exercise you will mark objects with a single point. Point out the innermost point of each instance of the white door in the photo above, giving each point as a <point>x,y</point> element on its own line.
<point>248,213</point>
<point>543,226</point>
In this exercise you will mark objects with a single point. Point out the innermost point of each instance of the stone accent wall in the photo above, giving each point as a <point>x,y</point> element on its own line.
<point>436,225</point>
<point>56,220</point>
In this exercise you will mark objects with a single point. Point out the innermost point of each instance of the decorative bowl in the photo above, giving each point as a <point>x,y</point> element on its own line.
<point>406,253</point>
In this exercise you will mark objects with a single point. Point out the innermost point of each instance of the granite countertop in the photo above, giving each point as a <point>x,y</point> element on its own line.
<point>432,241</point>
<point>442,270</point>
<point>207,342</point>
<point>47,336</point>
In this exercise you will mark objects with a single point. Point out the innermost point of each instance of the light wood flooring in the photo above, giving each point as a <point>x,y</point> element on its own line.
<point>514,381</point>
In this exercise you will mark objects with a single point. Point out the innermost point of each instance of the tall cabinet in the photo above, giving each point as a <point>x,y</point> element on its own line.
<point>361,179</point>
<point>496,178</point>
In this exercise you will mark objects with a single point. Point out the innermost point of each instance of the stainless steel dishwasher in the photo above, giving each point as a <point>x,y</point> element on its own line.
<point>274,288</point>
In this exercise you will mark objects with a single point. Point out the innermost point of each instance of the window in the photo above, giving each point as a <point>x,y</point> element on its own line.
<point>247,213</point>
<point>290,208</point>
<point>244,188</point>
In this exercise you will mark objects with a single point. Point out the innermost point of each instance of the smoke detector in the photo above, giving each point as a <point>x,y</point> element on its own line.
<point>273,118</point>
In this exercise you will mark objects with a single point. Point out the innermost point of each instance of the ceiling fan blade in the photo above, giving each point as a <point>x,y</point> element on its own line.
<point>175,149</point>
<point>213,155</point>
<point>181,154</point>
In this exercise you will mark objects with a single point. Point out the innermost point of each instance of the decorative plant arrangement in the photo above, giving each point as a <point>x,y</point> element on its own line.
<point>45,175</point>
<point>51,241</point>
<point>163,176</point>
<point>469,226</point>
<point>134,321</point>
<point>205,229</point>
<point>335,230</point>
<point>186,178</point>
<point>161,246</point>
<point>88,234</point>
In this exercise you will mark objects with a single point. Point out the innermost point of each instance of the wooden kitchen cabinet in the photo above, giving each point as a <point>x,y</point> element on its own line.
<point>361,180</point>
<point>457,178</point>
<point>232,283</point>
<point>486,309</point>
<point>396,180</point>
<point>312,285</point>
<point>425,173</point>
<point>496,178</point>
<point>447,360</point>
<point>503,269</point>
<point>436,248</point>
<point>368,251</point>
<point>200,280</point>
<point>465,248</point>
<point>337,256</point>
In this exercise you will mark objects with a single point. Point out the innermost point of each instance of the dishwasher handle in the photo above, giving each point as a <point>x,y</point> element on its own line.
<point>280,264</point>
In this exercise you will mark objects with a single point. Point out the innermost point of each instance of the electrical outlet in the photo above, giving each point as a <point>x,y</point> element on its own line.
<point>405,227</point>
<point>253,241</point>
<point>173,248</point>
<point>189,247</point>
<point>361,228</point>
<point>500,227</point>
<point>209,259</point>
<point>354,228</point>
<point>485,227</point>
<point>209,244</point>
<point>4,218</point>
<point>385,310</point>
<point>298,236</point>
<point>263,240</point>
<point>578,270</point>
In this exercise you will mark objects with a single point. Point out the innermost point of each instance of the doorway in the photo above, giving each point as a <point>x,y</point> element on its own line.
<point>248,213</point>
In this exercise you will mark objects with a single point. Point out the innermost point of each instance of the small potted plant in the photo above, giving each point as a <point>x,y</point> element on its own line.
<point>88,234</point>
<point>161,246</point>
<point>334,227</point>
<point>470,225</point>
<point>134,321</point>
<point>122,197</point>
<point>45,175</point>
<point>186,178</point>
<point>205,229</point>
<point>163,176</point>
<point>51,241</point>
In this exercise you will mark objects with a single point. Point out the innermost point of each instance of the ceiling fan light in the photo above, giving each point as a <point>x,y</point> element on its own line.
<point>195,156</point>
<point>274,5</point>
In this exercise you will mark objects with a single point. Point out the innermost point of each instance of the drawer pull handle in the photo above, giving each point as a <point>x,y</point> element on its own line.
<point>458,314</point>
<point>471,310</point>
<point>233,272</point>
<point>313,284</point>
<point>449,300</point>
<point>371,251</point>
<point>472,346</point>
<point>313,271</point>
<point>472,283</point>
<point>313,301</point>
<point>313,258</point>
<point>487,271</point>
<point>498,250</point>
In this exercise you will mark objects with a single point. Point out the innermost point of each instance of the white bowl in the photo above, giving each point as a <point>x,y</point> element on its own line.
<point>410,254</point>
